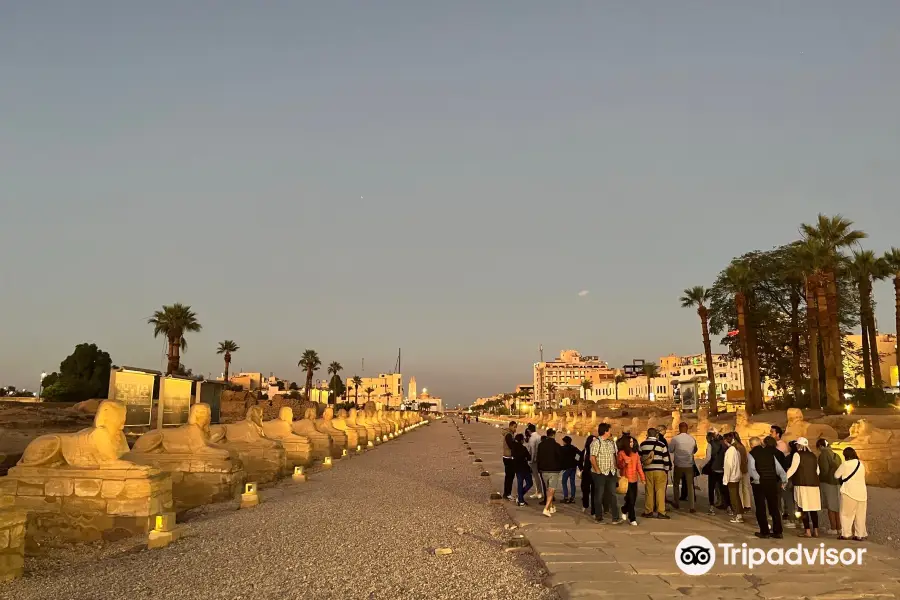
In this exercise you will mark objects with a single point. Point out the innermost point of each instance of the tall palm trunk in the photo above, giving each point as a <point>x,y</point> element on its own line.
<point>740,306</point>
<point>227,364</point>
<point>812,324</point>
<point>867,361</point>
<point>713,397</point>
<point>832,389</point>
<point>873,347</point>
<point>173,356</point>
<point>309,376</point>
<point>796,369</point>
<point>835,328</point>
<point>864,308</point>
<point>753,351</point>
<point>897,316</point>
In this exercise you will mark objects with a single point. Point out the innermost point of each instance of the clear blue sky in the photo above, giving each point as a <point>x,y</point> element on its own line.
<point>443,177</point>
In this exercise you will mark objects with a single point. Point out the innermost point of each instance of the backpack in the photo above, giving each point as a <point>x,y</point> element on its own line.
<point>647,459</point>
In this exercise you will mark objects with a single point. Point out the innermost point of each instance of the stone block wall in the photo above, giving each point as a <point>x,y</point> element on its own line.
<point>196,481</point>
<point>12,544</point>
<point>87,504</point>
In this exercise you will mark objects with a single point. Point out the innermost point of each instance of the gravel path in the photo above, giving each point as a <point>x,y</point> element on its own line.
<point>365,529</point>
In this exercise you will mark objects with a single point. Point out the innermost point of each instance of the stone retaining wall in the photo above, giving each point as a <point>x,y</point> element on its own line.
<point>12,544</point>
<point>87,504</point>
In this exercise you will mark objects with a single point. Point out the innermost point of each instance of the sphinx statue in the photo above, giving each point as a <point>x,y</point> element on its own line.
<point>264,459</point>
<point>358,418</point>
<point>676,419</point>
<point>797,427</point>
<point>368,417</point>
<point>192,438</point>
<point>322,445</point>
<point>570,421</point>
<point>388,421</point>
<point>592,424</point>
<point>89,472</point>
<point>202,472</point>
<point>747,428</point>
<point>99,447</point>
<point>298,447</point>
<point>863,433</point>
<point>324,425</point>
<point>356,436</point>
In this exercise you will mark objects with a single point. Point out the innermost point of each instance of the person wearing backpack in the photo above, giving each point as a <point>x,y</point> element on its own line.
<point>657,463</point>
<point>829,461</point>
<point>854,496</point>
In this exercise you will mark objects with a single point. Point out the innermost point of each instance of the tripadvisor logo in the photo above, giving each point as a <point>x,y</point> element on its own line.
<point>696,555</point>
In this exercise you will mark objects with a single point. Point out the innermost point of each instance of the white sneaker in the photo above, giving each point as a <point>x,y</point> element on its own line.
<point>634,523</point>
<point>540,496</point>
<point>620,520</point>
<point>534,496</point>
<point>737,519</point>
<point>584,510</point>
<point>547,513</point>
<point>553,509</point>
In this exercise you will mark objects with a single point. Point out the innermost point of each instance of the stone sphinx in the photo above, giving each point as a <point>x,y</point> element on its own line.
<point>747,428</point>
<point>797,427</point>
<point>389,422</point>
<point>264,459</point>
<point>356,435</point>
<point>202,472</point>
<point>321,442</point>
<point>571,420</point>
<point>368,417</point>
<point>373,433</point>
<point>878,450</point>
<point>299,448</point>
<point>338,437</point>
<point>80,486</point>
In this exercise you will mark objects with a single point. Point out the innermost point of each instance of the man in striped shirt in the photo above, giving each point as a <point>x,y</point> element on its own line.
<point>657,464</point>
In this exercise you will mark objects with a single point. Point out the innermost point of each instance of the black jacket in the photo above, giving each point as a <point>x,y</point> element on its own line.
<point>549,456</point>
<point>521,457</point>
<point>586,455</point>
<point>764,459</point>
<point>570,456</point>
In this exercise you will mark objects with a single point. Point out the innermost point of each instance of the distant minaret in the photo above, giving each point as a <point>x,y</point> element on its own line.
<point>412,388</point>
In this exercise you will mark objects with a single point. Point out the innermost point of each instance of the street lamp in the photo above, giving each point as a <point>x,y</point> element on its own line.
<point>41,385</point>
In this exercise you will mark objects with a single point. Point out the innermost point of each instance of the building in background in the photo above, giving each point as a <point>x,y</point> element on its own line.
<point>412,388</point>
<point>248,381</point>
<point>853,369</point>
<point>566,374</point>
<point>382,384</point>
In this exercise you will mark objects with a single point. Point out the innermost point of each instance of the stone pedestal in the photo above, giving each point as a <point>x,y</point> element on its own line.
<point>12,544</point>
<point>298,453</point>
<point>85,505</point>
<point>262,463</point>
<point>196,481</point>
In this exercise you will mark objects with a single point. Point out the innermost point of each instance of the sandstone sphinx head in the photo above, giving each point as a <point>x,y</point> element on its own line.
<point>342,413</point>
<point>110,415</point>
<point>255,415</point>
<point>794,415</point>
<point>328,414</point>
<point>201,416</point>
<point>286,414</point>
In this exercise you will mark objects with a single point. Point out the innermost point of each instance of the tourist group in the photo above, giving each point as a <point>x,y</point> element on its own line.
<point>787,483</point>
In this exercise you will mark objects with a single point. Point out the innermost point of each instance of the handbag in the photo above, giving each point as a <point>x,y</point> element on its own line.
<point>622,487</point>
<point>844,480</point>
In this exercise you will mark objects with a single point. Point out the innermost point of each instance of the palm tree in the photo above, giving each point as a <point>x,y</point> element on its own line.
<point>619,378</point>
<point>832,234</point>
<point>550,389</point>
<point>227,348</point>
<point>866,267</point>
<point>356,381</point>
<point>892,260</point>
<point>651,370</point>
<point>333,369</point>
<point>586,385</point>
<point>309,362</point>
<point>699,296</point>
<point>173,322</point>
<point>739,281</point>
<point>387,396</point>
<point>368,392</point>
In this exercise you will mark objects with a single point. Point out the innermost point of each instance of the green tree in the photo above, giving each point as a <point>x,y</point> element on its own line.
<point>586,384</point>
<point>387,397</point>
<point>309,362</point>
<point>699,296</point>
<point>551,388</point>
<point>228,347</point>
<point>173,322</point>
<point>333,369</point>
<point>336,387</point>
<point>368,392</point>
<point>356,381</point>
<point>650,370</point>
<point>82,375</point>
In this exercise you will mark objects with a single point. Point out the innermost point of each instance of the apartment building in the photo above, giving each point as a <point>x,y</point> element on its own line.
<point>567,372</point>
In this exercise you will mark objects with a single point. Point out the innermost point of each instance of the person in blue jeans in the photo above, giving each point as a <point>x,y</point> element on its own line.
<point>522,464</point>
<point>571,459</point>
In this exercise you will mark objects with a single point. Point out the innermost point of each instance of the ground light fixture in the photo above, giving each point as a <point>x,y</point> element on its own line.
<point>298,475</point>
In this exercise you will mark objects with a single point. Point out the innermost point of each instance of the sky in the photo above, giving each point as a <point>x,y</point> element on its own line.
<point>462,180</point>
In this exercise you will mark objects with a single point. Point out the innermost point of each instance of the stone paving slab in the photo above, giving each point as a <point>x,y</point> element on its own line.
<point>585,559</point>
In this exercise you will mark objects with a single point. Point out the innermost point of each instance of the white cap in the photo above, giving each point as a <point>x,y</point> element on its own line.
<point>802,441</point>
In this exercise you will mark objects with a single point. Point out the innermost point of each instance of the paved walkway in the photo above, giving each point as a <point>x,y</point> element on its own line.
<point>590,560</point>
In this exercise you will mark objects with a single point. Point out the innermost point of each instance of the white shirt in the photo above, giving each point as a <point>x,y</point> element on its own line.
<point>855,487</point>
<point>532,445</point>
<point>732,465</point>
